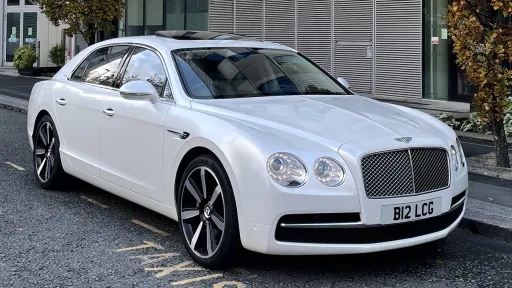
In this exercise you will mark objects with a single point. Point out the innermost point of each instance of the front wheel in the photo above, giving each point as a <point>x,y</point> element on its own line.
<point>207,213</point>
<point>46,157</point>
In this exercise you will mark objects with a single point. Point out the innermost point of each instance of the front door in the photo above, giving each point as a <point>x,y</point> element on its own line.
<point>354,44</point>
<point>132,131</point>
<point>20,29</point>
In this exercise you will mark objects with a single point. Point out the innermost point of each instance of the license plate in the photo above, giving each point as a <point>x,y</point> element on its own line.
<point>411,211</point>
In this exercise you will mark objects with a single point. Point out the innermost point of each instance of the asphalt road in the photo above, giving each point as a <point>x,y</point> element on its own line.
<point>19,87</point>
<point>85,237</point>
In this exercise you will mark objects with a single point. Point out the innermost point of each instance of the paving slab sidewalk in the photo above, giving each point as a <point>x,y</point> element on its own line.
<point>13,72</point>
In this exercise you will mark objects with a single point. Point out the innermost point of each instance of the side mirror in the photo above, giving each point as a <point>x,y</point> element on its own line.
<point>344,82</point>
<point>139,90</point>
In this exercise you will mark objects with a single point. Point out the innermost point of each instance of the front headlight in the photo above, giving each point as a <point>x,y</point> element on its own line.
<point>329,172</point>
<point>287,170</point>
<point>454,158</point>
<point>461,153</point>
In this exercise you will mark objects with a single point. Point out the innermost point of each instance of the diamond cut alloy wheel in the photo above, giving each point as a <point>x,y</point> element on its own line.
<point>203,212</point>
<point>44,152</point>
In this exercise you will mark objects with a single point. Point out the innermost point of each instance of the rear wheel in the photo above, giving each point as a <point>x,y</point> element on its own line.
<point>207,213</point>
<point>46,156</point>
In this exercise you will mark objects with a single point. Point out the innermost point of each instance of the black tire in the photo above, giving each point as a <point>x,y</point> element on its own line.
<point>229,245</point>
<point>57,177</point>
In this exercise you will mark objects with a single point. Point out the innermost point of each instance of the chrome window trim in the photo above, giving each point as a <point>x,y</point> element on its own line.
<point>458,203</point>
<point>407,149</point>
<point>132,44</point>
<point>323,225</point>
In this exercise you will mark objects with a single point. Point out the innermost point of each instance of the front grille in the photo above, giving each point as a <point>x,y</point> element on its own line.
<point>405,172</point>
<point>370,234</point>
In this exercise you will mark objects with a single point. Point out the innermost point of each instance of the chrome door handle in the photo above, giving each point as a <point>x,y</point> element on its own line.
<point>62,101</point>
<point>109,112</point>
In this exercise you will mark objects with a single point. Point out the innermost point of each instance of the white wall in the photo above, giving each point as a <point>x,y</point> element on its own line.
<point>49,36</point>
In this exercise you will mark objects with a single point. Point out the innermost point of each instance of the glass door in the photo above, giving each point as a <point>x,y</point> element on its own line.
<point>29,28</point>
<point>12,35</point>
<point>20,29</point>
<point>436,51</point>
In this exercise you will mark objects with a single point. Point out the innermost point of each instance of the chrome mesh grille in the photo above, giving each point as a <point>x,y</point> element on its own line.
<point>405,172</point>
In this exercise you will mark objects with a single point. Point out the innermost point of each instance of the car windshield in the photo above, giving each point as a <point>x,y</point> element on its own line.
<point>217,73</point>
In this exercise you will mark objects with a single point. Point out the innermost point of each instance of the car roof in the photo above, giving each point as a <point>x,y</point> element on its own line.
<point>178,39</point>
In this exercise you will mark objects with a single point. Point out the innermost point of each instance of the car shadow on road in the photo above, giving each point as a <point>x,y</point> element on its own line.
<point>418,257</point>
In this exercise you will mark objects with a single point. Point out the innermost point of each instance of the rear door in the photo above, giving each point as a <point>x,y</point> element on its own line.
<point>79,106</point>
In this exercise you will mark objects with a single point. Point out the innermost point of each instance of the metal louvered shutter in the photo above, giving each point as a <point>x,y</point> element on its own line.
<point>398,66</point>
<point>220,16</point>
<point>314,31</point>
<point>249,18</point>
<point>280,22</point>
<point>353,35</point>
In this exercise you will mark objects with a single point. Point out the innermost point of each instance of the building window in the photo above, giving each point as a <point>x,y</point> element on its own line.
<point>145,17</point>
<point>442,78</point>
<point>196,15</point>
<point>134,17</point>
<point>436,50</point>
<point>153,16</point>
<point>13,2</point>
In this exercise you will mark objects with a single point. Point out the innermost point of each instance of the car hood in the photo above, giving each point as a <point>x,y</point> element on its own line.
<point>339,119</point>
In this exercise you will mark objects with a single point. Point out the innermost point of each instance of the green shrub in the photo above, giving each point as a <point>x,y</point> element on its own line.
<point>57,54</point>
<point>474,124</point>
<point>449,120</point>
<point>25,57</point>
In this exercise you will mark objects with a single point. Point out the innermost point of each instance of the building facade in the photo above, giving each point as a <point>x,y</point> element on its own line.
<point>23,23</point>
<point>384,48</point>
<point>391,49</point>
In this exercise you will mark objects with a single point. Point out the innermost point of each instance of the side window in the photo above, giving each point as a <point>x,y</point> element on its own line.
<point>167,91</point>
<point>79,72</point>
<point>103,65</point>
<point>146,65</point>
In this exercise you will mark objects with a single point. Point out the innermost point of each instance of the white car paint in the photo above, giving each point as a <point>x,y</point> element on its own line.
<point>133,155</point>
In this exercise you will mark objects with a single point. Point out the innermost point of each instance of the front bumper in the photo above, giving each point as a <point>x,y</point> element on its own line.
<point>353,239</point>
<point>264,204</point>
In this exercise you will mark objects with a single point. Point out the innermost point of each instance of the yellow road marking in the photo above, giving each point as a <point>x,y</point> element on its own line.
<point>197,279</point>
<point>155,258</point>
<point>147,245</point>
<point>94,202</point>
<point>166,270</point>
<point>16,166</point>
<point>230,283</point>
<point>149,227</point>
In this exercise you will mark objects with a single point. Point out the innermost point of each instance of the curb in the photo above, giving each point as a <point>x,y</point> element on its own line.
<point>13,108</point>
<point>472,136</point>
<point>485,229</point>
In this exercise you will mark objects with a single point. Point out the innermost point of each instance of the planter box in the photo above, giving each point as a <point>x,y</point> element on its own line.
<point>28,72</point>
<point>38,71</point>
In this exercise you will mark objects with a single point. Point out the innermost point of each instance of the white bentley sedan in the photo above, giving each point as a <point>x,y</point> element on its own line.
<point>247,144</point>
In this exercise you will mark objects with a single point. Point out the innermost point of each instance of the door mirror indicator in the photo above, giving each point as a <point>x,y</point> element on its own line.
<point>139,90</point>
<point>344,82</point>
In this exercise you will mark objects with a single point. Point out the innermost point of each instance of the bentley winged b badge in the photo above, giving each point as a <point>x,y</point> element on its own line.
<point>405,140</point>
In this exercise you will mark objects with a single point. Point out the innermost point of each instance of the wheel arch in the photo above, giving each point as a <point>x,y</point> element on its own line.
<point>38,118</point>
<point>198,148</point>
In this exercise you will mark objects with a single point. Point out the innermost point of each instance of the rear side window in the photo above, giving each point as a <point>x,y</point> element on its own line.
<point>103,65</point>
<point>79,72</point>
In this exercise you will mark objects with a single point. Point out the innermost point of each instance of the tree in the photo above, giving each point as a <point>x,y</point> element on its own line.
<point>84,17</point>
<point>482,41</point>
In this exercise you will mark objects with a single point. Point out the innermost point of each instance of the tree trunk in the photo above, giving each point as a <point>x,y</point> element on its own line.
<point>500,143</point>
